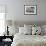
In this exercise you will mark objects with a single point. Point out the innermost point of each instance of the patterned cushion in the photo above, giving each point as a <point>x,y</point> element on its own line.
<point>36,30</point>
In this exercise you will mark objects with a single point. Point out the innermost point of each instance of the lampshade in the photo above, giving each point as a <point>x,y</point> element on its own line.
<point>9,22</point>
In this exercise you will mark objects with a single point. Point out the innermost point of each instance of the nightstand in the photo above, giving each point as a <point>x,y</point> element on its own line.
<point>6,40</point>
<point>7,43</point>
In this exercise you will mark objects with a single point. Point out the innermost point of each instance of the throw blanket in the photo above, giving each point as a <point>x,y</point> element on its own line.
<point>29,40</point>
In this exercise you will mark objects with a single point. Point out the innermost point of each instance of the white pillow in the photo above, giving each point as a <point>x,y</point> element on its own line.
<point>36,30</point>
<point>13,30</point>
<point>28,29</point>
<point>28,26</point>
<point>42,30</point>
<point>44,27</point>
<point>23,30</point>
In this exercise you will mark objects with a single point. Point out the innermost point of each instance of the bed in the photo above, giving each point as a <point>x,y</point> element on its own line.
<point>24,38</point>
<point>29,40</point>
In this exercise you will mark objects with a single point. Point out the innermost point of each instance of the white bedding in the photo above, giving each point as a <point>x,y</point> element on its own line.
<point>29,40</point>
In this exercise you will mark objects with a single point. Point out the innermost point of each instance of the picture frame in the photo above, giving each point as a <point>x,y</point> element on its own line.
<point>30,10</point>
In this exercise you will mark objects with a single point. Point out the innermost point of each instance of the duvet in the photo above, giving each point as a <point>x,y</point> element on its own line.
<point>29,40</point>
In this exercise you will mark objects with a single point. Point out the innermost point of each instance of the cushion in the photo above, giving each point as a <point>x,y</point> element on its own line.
<point>13,30</point>
<point>44,29</point>
<point>24,30</point>
<point>28,31</point>
<point>21,30</point>
<point>36,30</point>
<point>28,26</point>
<point>44,26</point>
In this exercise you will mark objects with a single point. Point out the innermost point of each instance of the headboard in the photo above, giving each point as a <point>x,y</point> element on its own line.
<point>21,23</point>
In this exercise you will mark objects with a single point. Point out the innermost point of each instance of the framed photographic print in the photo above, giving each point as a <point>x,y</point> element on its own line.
<point>30,10</point>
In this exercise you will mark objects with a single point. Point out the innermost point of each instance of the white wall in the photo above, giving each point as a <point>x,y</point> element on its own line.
<point>15,9</point>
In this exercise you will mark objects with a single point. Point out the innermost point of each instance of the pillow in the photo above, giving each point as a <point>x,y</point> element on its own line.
<point>44,29</point>
<point>21,30</point>
<point>28,29</point>
<point>36,30</point>
<point>13,30</point>
<point>28,26</point>
<point>25,31</point>
<point>44,26</point>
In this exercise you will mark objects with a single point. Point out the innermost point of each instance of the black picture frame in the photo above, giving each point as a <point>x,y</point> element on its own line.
<point>30,9</point>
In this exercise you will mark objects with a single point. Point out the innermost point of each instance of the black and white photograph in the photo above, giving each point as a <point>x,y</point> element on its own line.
<point>30,10</point>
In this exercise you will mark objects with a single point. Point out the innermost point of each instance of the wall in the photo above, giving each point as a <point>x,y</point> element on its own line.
<point>41,15</point>
<point>15,9</point>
